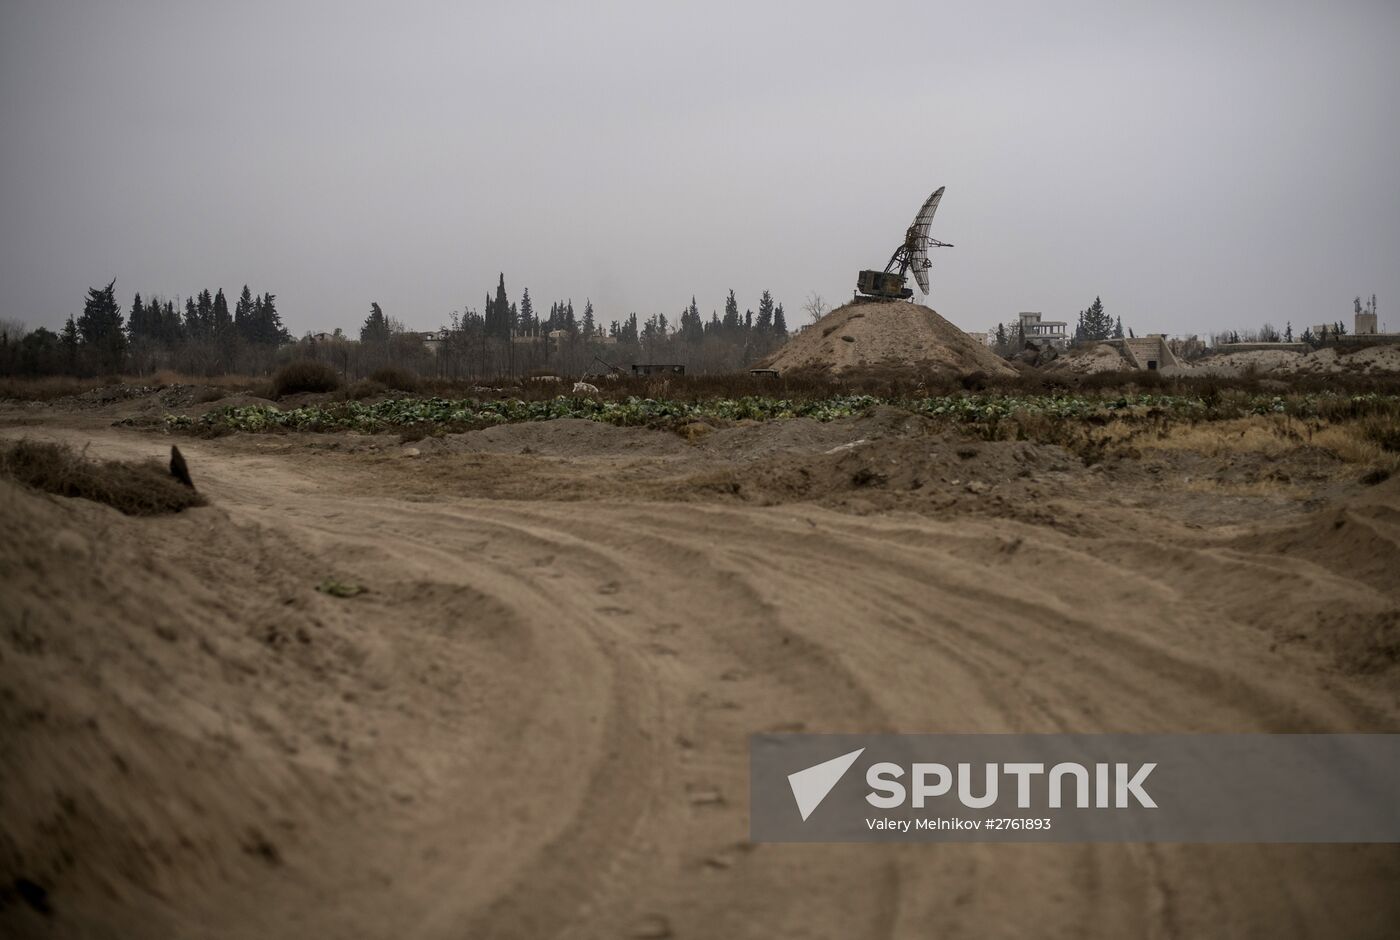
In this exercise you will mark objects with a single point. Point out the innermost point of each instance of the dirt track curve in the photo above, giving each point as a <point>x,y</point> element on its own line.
<point>534,724</point>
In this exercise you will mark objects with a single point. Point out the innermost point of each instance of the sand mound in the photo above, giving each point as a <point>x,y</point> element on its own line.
<point>874,335</point>
<point>561,437</point>
<point>1098,358</point>
<point>1357,543</point>
<point>136,488</point>
<point>1328,360</point>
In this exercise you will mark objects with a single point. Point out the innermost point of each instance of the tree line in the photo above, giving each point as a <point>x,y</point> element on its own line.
<point>504,337</point>
<point>517,338</point>
<point>205,338</point>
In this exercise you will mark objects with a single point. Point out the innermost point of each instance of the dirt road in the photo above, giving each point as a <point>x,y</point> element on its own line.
<point>534,722</point>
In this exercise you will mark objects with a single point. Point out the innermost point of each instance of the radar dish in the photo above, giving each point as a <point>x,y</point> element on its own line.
<point>889,284</point>
<point>917,239</point>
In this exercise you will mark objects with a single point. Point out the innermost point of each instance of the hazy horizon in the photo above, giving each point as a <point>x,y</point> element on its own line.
<point>1199,166</point>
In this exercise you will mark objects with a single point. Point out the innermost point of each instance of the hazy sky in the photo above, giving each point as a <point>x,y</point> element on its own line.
<point>1199,165</point>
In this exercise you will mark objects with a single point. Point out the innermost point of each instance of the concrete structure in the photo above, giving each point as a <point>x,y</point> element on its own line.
<point>1365,323</point>
<point>652,368</point>
<point>1040,331</point>
<point>1148,353</point>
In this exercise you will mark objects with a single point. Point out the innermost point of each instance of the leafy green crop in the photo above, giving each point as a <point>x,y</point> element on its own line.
<point>972,408</point>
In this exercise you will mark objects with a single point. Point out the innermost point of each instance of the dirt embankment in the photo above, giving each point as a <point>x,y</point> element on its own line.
<point>532,721</point>
<point>874,336</point>
<point>1329,360</point>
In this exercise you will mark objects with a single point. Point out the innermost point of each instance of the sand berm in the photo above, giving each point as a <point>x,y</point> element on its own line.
<point>864,336</point>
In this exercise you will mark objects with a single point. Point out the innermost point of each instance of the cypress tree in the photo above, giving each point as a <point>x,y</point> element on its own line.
<point>222,321</point>
<point>138,324</point>
<point>731,313</point>
<point>100,325</point>
<point>268,323</point>
<point>498,312</point>
<point>243,315</point>
<point>527,314</point>
<point>376,327</point>
<point>765,313</point>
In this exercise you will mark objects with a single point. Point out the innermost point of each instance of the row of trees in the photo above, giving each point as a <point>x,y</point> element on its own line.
<point>205,338</point>
<point>509,338</point>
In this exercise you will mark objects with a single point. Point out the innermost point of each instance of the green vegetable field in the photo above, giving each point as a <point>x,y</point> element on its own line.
<point>972,408</point>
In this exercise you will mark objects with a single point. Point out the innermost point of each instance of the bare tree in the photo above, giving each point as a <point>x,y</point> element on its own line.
<point>11,331</point>
<point>816,306</point>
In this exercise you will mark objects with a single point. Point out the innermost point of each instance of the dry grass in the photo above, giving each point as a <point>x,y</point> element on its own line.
<point>1266,435</point>
<point>304,375</point>
<point>1371,442</point>
<point>231,381</point>
<point>1254,488</point>
<point>50,387</point>
<point>45,388</point>
<point>393,377</point>
<point>143,488</point>
<point>365,388</point>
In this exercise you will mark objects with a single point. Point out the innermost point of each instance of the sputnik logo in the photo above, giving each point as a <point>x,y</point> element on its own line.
<point>810,786</point>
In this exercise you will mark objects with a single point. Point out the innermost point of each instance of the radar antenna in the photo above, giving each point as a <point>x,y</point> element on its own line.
<point>911,254</point>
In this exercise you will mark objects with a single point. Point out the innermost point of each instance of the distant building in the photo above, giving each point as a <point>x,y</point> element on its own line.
<point>1041,331</point>
<point>1365,323</point>
<point>1151,352</point>
<point>653,368</point>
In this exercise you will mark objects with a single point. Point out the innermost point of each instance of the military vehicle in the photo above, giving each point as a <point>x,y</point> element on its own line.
<point>912,254</point>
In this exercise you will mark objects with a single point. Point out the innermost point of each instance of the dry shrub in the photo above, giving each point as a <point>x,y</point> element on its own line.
<point>1266,435</point>
<point>1382,431</point>
<point>304,375</point>
<point>365,388</point>
<point>45,388</point>
<point>1373,442</point>
<point>396,378</point>
<point>141,488</point>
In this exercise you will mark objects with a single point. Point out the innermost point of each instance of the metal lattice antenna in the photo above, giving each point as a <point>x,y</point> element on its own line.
<point>913,254</point>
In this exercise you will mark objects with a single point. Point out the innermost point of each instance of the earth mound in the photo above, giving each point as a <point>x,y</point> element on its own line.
<point>883,335</point>
<point>1090,360</point>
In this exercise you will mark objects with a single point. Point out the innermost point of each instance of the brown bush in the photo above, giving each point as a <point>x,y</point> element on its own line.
<point>365,388</point>
<point>46,388</point>
<point>304,375</point>
<point>395,378</point>
<point>143,488</point>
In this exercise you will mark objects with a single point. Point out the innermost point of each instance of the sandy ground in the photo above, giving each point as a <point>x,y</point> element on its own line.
<point>865,336</point>
<point>1329,360</point>
<point>1092,359</point>
<point>534,722</point>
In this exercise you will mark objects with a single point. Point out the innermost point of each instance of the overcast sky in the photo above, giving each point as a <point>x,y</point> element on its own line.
<point>1199,165</point>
